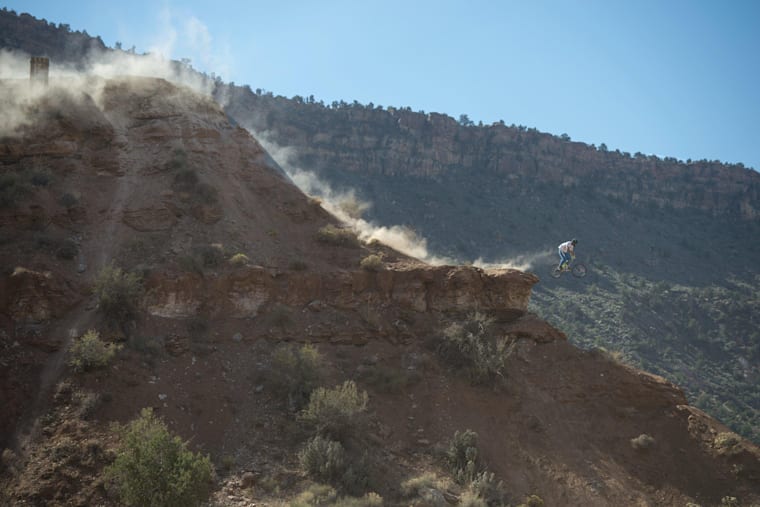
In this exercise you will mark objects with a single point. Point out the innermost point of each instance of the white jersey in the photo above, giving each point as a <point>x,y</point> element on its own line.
<point>567,246</point>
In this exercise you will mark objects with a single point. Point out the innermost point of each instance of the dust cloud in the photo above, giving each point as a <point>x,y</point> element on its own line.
<point>18,97</point>
<point>347,207</point>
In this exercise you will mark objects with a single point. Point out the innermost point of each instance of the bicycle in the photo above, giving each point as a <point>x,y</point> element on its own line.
<point>578,269</point>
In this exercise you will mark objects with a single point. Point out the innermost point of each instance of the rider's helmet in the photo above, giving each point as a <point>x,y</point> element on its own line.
<point>575,241</point>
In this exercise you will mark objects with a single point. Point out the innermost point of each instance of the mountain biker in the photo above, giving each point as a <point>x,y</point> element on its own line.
<point>566,253</point>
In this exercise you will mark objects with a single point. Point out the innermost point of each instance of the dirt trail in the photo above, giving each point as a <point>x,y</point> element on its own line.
<point>93,257</point>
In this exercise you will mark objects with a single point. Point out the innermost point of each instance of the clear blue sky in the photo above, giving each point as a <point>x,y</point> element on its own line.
<point>666,77</point>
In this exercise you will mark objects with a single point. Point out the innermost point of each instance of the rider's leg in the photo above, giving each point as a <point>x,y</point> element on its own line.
<point>564,258</point>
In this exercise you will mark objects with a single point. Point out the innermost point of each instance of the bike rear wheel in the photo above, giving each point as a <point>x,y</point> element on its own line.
<point>555,273</point>
<point>579,270</point>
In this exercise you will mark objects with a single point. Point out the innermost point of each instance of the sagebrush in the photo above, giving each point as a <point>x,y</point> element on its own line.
<point>154,468</point>
<point>118,294</point>
<point>335,411</point>
<point>89,352</point>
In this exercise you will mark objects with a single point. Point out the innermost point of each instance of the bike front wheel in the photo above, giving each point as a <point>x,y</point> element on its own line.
<point>579,270</point>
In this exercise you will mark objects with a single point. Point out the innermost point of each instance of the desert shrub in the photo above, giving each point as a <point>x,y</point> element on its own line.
<point>297,371</point>
<point>334,411</point>
<point>470,345</point>
<point>323,459</point>
<point>471,499</point>
<point>372,263</point>
<point>324,495</point>
<point>728,443</point>
<point>642,442</point>
<point>729,501</point>
<point>337,236</point>
<point>426,487</point>
<point>152,467</point>
<point>486,487</point>
<point>239,259</point>
<point>118,294</point>
<point>89,352</point>
<point>462,456</point>
<point>327,461</point>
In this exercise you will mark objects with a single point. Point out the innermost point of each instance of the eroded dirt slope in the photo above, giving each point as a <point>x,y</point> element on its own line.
<point>153,178</point>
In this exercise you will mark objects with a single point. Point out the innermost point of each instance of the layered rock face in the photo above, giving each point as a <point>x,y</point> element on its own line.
<point>397,142</point>
<point>443,289</point>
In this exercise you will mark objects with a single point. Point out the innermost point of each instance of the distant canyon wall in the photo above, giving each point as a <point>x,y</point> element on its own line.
<point>390,142</point>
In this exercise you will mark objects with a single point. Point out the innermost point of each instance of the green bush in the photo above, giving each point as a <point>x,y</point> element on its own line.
<point>372,263</point>
<point>485,486</point>
<point>327,460</point>
<point>728,443</point>
<point>334,411</point>
<point>336,236</point>
<point>239,259</point>
<point>323,459</point>
<point>423,487</point>
<point>470,345</point>
<point>297,371</point>
<point>118,294</point>
<point>154,468</point>
<point>89,352</point>
<point>326,496</point>
<point>471,499</point>
<point>462,456</point>
<point>642,442</point>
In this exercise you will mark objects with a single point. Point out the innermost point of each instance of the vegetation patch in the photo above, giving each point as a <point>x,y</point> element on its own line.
<point>728,443</point>
<point>643,442</point>
<point>336,236</point>
<point>239,259</point>
<point>89,352</point>
<point>471,346</point>
<point>118,294</point>
<point>372,262</point>
<point>463,459</point>
<point>324,495</point>
<point>152,467</point>
<point>335,411</point>
<point>296,372</point>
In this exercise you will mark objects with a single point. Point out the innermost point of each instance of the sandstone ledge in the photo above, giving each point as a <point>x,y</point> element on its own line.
<point>243,292</point>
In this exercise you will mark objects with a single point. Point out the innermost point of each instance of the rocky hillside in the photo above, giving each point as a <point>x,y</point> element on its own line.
<point>673,287</point>
<point>140,181</point>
